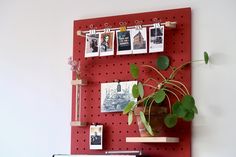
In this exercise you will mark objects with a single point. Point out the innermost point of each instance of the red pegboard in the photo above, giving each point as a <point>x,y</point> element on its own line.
<point>97,70</point>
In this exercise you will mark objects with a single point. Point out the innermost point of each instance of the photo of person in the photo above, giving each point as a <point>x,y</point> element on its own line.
<point>124,43</point>
<point>96,136</point>
<point>156,39</point>
<point>107,43</point>
<point>91,47</point>
<point>139,38</point>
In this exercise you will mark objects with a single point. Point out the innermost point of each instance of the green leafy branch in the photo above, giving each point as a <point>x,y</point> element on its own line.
<point>184,106</point>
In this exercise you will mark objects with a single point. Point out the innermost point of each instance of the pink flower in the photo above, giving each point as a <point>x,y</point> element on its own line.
<point>75,66</point>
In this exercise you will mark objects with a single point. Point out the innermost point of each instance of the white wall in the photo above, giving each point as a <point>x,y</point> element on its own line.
<point>35,90</point>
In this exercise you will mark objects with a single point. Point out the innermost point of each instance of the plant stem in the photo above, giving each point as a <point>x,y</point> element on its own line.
<point>181,85</point>
<point>167,82</point>
<point>149,112</point>
<point>172,75</point>
<point>176,90</point>
<point>172,93</point>
<point>155,70</point>
<point>150,79</point>
<point>150,86</point>
<point>145,106</point>
<point>169,103</point>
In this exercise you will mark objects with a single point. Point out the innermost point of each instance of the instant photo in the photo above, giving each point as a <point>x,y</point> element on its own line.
<point>95,137</point>
<point>116,95</point>
<point>91,47</point>
<point>124,43</point>
<point>107,43</point>
<point>156,39</point>
<point>139,38</point>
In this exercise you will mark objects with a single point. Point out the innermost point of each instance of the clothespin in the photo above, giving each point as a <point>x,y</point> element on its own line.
<point>122,26</point>
<point>107,28</point>
<point>138,24</point>
<point>92,29</point>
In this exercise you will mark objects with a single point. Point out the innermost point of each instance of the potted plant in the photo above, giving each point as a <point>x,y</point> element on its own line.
<point>164,91</point>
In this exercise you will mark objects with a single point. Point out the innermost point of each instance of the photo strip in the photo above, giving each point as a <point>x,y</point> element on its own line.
<point>107,43</point>
<point>156,39</point>
<point>91,47</point>
<point>139,39</point>
<point>124,43</point>
<point>116,95</point>
<point>95,136</point>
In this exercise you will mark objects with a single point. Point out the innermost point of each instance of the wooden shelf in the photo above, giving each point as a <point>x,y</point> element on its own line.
<point>152,139</point>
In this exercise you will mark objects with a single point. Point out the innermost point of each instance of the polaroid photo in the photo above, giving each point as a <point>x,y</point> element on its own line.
<point>156,39</point>
<point>107,43</point>
<point>124,43</point>
<point>139,38</point>
<point>91,47</point>
<point>116,95</point>
<point>95,136</point>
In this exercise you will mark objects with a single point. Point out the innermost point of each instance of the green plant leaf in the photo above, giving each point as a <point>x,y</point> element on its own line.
<point>179,110</point>
<point>128,107</point>
<point>170,120</point>
<point>134,70</point>
<point>189,116</point>
<point>146,124</point>
<point>206,57</point>
<point>130,118</point>
<point>159,96</point>
<point>135,91</point>
<point>163,62</point>
<point>189,103</point>
<point>140,89</point>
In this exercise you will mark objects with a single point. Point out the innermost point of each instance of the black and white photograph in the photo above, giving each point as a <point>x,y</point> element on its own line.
<point>124,43</point>
<point>139,38</point>
<point>95,136</point>
<point>156,39</point>
<point>91,47</point>
<point>116,95</point>
<point>107,43</point>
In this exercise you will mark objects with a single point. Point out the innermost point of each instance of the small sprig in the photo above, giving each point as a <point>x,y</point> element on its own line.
<point>75,66</point>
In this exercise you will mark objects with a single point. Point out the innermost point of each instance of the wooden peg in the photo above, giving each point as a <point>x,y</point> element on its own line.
<point>78,123</point>
<point>80,33</point>
<point>170,24</point>
<point>79,82</point>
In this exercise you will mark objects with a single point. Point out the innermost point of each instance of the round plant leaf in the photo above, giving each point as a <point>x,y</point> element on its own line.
<point>128,107</point>
<point>130,118</point>
<point>189,116</point>
<point>178,109</point>
<point>159,96</point>
<point>188,102</point>
<point>140,89</point>
<point>134,70</point>
<point>143,118</point>
<point>206,57</point>
<point>135,91</point>
<point>170,120</point>
<point>146,124</point>
<point>163,62</point>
